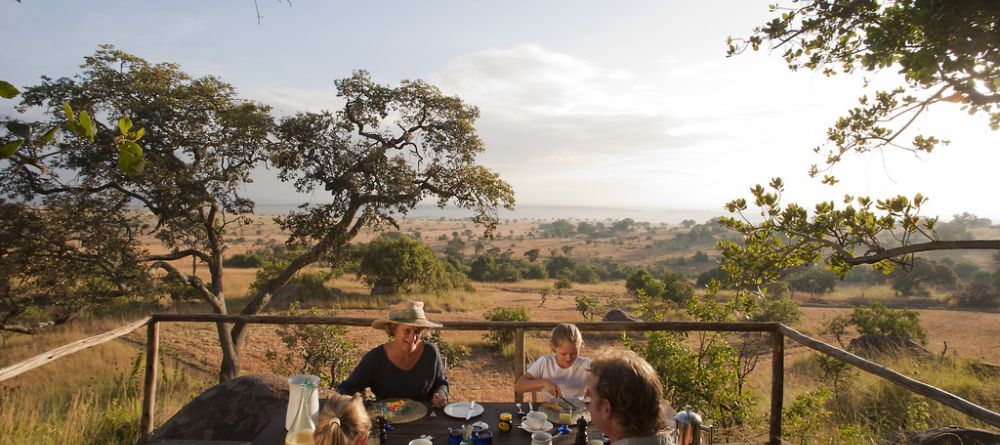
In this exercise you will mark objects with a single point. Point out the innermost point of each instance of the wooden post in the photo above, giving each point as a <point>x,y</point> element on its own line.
<point>519,360</point>
<point>149,386</point>
<point>777,385</point>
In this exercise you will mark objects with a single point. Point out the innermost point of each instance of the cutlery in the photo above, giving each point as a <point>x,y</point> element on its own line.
<point>519,409</point>
<point>529,407</point>
<point>433,412</point>
<point>468,414</point>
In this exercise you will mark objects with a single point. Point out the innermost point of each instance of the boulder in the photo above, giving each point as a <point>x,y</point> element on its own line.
<point>235,410</point>
<point>618,315</point>
<point>953,435</point>
<point>872,345</point>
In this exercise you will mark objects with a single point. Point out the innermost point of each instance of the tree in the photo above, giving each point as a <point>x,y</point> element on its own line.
<point>913,282</point>
<point>384,152</point>
<point>532,255</point>
<point>56,263</point>
<point>201,143</point>
<point>586,306</point>
<point>391,266</point>
<point>945,53</point>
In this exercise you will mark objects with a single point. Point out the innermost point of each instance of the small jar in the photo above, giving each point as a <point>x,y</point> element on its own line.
<point>484,437</point>
<point>506,422</point>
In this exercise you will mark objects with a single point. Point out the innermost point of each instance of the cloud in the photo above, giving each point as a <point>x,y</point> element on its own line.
<point>288,100</point>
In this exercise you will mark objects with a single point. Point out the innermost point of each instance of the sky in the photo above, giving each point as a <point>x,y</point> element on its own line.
<point>628,105</point>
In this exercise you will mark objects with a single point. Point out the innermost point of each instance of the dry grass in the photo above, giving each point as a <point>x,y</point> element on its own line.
<point>78,397</point>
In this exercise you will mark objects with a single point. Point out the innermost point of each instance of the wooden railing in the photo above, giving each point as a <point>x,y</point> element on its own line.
<point>778,333</point>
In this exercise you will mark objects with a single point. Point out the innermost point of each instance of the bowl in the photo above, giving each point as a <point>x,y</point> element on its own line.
<point>420,442</point>
<point>536,420</point>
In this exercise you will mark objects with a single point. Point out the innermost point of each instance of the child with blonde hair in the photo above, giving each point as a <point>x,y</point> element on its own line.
<point>342,421</point>
<point>564,372</point>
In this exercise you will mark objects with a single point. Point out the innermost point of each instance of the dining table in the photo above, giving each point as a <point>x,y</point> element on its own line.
<point>434,426</point>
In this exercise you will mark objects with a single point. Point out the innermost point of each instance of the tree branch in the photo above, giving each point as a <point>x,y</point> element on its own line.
<point>922,247</point>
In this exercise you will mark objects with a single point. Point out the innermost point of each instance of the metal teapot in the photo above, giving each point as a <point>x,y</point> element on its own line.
<point>689,428</point>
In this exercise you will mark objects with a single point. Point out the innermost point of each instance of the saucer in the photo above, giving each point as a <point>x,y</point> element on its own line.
<point>548,426</point>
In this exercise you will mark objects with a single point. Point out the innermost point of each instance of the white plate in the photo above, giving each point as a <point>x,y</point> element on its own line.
<point>548,426</point>
<point>461,410</point>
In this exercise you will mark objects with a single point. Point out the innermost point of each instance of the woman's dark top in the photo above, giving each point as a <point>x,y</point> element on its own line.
<point>387,381</point>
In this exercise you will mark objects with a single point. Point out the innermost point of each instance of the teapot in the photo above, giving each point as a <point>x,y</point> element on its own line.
<point>689,428</point>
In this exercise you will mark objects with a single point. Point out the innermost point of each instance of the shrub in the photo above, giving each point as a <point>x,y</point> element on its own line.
<point>587,306</point>
<point>323,350</point>
<point>778,310</point>
<point>876,319</point>
<point>454,354</point>
<point>497,338</point>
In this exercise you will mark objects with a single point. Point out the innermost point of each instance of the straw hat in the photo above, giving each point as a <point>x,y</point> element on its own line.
<point>409,313</point>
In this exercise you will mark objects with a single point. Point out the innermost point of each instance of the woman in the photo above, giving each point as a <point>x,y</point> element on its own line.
<point>343,421</point>
<point>405,366</point>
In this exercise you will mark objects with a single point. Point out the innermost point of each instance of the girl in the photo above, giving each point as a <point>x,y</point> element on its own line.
<point>564,373</point>
<point>342,421</point>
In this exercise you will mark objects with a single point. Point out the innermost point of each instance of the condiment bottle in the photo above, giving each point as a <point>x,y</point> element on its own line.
<point>582,437</point>
<point>506,422</point>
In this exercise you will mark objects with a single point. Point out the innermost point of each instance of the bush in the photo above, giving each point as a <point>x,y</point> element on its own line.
<point>587,306</point>
<point>454,354</point>
<point>497,338</point>
<point>323,350</point>
<point>876,319</point>
<point>778,310</point>
<point>979,295</point>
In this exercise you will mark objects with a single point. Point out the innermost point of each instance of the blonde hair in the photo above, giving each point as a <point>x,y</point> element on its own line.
<point>566,333</point>
<point>342,421</point>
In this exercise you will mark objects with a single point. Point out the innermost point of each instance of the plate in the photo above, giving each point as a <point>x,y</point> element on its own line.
<point>548,426</point>
<point>399,410</point>
<point>461,410</point>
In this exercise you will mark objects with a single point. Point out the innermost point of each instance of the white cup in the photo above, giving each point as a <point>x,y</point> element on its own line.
<point>541,438</point>
<point>420,442</point>
<point>536,420</point>
<point>295,397</point>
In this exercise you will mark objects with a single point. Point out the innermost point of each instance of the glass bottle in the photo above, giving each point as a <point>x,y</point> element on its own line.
<point>303,427</point>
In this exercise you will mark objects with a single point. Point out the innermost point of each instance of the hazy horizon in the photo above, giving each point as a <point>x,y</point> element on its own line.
<point>585,103</point>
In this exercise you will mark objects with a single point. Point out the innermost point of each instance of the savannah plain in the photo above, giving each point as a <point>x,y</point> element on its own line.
<point>93,396</point>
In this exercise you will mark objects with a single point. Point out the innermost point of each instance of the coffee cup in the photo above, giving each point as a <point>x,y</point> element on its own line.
<point>420,442</point>
<point>541,438</point>
<point>535,420</point>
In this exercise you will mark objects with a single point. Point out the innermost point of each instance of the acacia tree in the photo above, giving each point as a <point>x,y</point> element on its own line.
<point>385,151</point>
<point>945,51</point>
<point>202,142</point>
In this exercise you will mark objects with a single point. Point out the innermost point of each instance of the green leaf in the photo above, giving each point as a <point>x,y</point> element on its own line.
<point>8,91</point>
<point>88,127</point>
<point>124,124</point>
<point>139,134</point>
<point>130,159</point>
<point>22,130</point>
<point>49,135</point>
<point>69,112</point>
<point>9,148</point>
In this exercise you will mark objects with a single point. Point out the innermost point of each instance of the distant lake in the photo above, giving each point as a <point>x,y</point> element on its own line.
<point>670,216</point>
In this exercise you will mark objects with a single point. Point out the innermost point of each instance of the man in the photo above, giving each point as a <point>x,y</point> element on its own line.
<point>626,400</point>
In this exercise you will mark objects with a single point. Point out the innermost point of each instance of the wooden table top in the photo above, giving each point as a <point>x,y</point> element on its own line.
<point>437,427</point>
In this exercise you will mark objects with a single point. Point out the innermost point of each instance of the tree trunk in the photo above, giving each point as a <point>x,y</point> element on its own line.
<point>230,368</point>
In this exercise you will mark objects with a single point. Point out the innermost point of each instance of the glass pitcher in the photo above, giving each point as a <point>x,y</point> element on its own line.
<point>303,427</point>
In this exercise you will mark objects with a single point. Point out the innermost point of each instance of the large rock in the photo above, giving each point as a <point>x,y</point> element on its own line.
<point>953,435</point>
<point>874,345</point>
<point>234,410</point>
<point>618,315</point>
